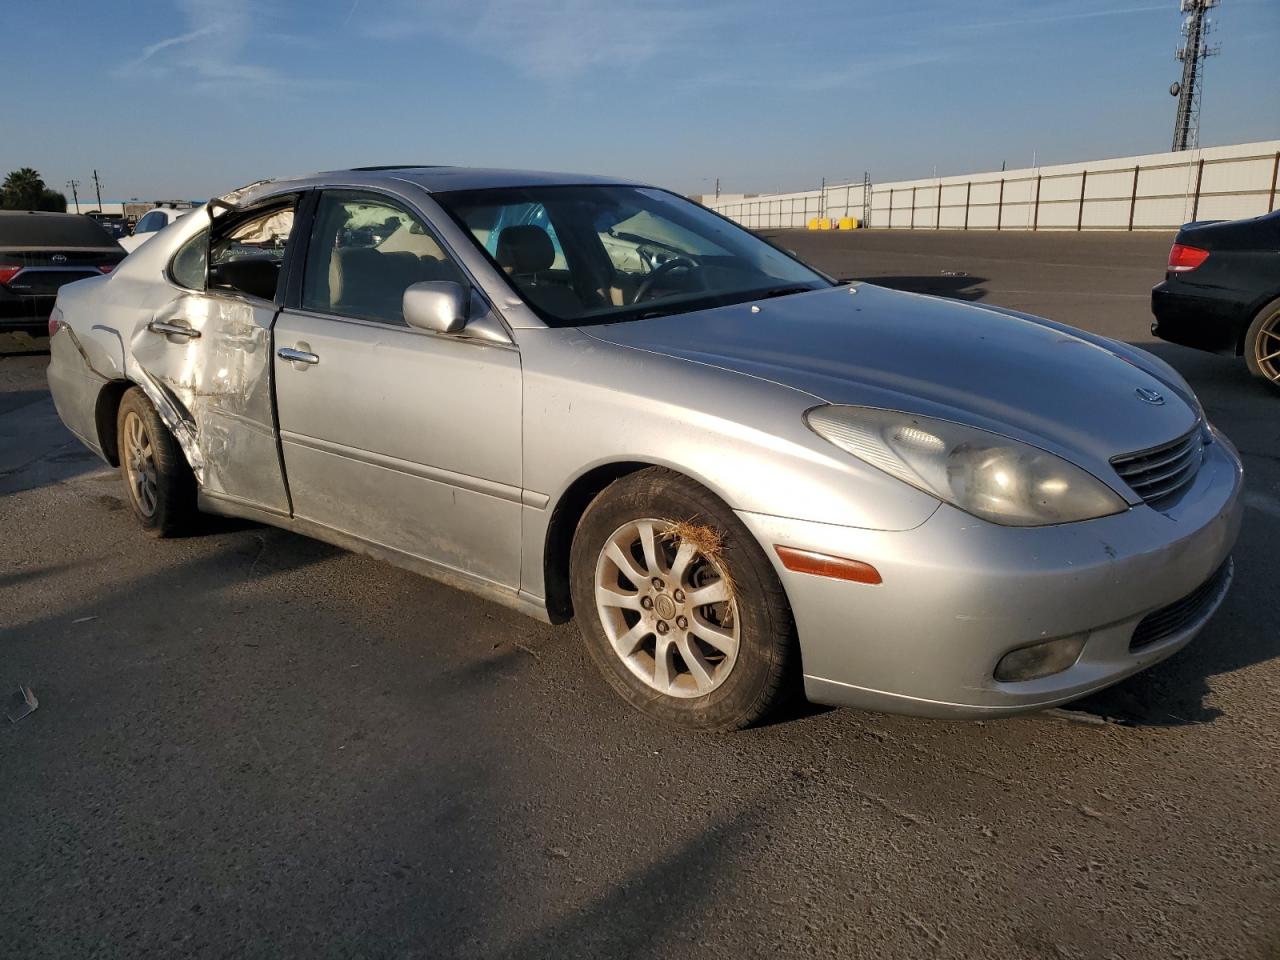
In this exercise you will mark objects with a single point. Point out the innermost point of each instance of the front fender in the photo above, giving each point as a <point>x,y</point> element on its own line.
<point>589,403</point>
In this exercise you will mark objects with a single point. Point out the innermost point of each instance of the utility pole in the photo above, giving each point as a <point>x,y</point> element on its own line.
<point>1192,54</point>
<point>72,185</point>
<point>97,185</point>
<point>717,188</point>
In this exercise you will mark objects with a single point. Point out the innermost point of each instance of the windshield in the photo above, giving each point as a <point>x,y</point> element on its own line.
<point>602,254</point>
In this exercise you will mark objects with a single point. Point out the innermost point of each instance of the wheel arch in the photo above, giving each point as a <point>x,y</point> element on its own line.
<point>563,523</point>
<point>1266,303</point>
<point>107,408</point>
<point>567,512</point>
<point>105,414</point>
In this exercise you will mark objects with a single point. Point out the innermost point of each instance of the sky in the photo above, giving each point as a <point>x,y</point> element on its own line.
<point>176,99</point>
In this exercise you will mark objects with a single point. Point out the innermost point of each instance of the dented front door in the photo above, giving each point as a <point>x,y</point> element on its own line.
<point>209,356</point>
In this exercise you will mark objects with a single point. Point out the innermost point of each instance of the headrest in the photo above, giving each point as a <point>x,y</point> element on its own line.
<point>525,249</point>
<point>346,265</point>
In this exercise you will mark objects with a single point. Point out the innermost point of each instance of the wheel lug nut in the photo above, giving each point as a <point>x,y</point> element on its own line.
<point>678,596</point>
<point>658,584</point>
<point>646,602</point>
<point>662,626</point>
<point>682,623</point>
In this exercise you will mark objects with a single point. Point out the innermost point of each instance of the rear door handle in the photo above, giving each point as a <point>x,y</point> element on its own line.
<point>296,356</point>
<point>173,329</point>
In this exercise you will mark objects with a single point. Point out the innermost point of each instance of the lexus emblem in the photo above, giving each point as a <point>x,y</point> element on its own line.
<point>1150,396</point>
<point>59,258</point>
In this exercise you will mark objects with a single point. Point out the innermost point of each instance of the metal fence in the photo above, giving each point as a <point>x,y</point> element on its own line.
<point>1153,192</point>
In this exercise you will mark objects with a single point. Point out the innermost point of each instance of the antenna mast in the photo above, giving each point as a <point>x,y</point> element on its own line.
<point>1192,54</point>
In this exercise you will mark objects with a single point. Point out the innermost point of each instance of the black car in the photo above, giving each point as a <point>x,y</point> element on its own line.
<point>1222,291</point>
<point>115,224</point>
<point>39,252</point>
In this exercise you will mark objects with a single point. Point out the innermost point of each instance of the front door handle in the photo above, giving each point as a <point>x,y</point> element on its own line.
<point>173,329</point>
<point>296,356</point>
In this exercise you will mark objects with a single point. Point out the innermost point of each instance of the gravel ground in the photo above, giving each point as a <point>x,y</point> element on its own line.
<point>251,744</point>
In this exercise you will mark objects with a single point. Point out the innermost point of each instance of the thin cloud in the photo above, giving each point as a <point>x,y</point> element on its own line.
<point>211,51</point>
<point>850,76</point>
<point>150,51</point>
<point>1067,15</point>
<point>549,40</point>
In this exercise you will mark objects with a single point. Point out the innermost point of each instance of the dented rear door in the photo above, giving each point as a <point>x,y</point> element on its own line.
<point>206,355</point>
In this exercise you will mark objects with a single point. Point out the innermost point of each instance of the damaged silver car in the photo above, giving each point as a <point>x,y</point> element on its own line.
<point>593,399</point>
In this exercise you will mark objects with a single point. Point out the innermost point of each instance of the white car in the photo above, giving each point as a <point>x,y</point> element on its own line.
<point>150,223</point>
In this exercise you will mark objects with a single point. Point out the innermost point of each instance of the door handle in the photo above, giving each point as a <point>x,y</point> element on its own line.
<point>173,329</point>
<point>296,356</point>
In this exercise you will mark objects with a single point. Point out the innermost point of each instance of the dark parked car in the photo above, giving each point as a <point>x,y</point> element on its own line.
<point>1222,291</point>
<point>39,252</point>
<point>114,224</point>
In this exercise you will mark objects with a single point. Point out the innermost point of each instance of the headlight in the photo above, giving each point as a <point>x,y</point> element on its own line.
<point>982,473</point>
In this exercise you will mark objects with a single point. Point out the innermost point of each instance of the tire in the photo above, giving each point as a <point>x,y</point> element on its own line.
<point>165,504</point>
<point>711,686</point>
<point>1262,344</point>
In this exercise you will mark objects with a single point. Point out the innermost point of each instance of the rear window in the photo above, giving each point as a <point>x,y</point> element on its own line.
<point>52,230</point>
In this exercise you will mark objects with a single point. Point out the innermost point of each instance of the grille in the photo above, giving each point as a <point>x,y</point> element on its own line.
<point>1181,614</point>
<point>1159,474</point>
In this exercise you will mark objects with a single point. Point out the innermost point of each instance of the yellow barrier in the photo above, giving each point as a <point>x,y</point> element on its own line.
<point>849,223</point>
<point>824,223</point>
<point>813,223</point>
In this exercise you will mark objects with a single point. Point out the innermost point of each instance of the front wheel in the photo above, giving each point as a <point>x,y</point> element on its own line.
<point>679,606</point>
<point>1262,344</point>
<point>161,487</point>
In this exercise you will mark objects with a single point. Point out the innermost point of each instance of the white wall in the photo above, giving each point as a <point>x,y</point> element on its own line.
<point>1233,181</point>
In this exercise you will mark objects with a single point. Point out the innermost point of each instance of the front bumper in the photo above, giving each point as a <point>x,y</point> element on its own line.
<point>959,593</point>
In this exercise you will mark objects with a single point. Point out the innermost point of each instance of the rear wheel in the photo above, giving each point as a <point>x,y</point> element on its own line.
<point>159,482</point>
<point>678,605</point>
<point>1262,344</point>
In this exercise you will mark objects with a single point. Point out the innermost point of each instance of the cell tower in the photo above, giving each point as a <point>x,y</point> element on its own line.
<point>1192,54</point>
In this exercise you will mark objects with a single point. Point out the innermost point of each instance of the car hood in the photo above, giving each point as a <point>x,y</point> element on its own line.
<point>1012,374</point>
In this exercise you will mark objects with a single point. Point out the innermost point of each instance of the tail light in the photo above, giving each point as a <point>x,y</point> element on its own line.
<point>1183,259</point>
<point>55,321</point>
<point>107,267</point>
<point>8,271</point>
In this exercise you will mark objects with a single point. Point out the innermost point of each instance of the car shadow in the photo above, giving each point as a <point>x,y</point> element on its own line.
<point>15,343</point>
<point>636,917</point>
<point>17,399</point>
<point>954,285</point>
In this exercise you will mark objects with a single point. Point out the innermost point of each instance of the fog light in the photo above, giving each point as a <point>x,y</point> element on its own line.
<point>1039,659</point>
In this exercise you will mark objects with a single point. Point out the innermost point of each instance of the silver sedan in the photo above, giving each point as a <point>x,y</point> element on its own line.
<point>587,398</point>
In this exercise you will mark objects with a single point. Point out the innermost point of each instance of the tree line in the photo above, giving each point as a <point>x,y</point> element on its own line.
<point>25,190</point>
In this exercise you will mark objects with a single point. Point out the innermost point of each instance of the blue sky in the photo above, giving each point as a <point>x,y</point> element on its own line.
<point>189,98</point>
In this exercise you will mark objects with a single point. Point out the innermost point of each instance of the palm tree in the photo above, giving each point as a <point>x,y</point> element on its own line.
<point>22,190</point>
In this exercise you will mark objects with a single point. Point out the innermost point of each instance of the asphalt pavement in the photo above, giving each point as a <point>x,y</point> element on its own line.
<point>250,744</point>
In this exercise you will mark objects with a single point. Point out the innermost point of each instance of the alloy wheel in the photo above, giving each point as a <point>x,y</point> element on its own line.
<point>140,465</point>
<point>1267,348</point>
<point>667,605</point>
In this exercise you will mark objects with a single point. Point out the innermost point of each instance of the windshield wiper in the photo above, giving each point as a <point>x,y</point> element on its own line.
<point>782,292</point>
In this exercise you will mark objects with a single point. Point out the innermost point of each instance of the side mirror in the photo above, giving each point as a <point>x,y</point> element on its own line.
<point>436,305</point>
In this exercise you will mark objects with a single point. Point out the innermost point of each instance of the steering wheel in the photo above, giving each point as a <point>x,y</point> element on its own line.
<point>647,284</point>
